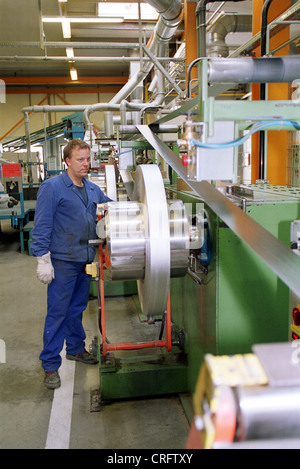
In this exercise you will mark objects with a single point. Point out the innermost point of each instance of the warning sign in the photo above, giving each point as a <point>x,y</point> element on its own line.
<point>11,170</point>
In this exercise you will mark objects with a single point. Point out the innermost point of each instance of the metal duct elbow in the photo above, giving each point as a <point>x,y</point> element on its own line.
<point>228,23</point>
<point>201,24</point>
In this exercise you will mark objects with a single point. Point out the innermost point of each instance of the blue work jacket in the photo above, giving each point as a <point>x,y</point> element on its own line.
<point>63,223</point>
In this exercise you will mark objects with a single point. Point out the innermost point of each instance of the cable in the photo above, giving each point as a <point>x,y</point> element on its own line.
<point>255,128</point>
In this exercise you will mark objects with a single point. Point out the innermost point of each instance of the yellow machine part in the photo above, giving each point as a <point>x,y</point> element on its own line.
<point>213,398</point>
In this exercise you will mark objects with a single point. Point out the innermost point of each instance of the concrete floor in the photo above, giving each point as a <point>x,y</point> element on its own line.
<point>25,403</point>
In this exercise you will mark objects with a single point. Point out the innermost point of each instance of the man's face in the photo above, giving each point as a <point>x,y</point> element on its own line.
<point>79,163</point>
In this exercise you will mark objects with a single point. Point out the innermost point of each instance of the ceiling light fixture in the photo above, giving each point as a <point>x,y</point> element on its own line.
<point>66,28</point>
<point>81,19</point>
<point>129,11</point>
<point>73,74</point>
<point>70,52</point>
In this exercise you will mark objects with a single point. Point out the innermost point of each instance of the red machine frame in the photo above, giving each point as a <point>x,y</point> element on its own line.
<point>107,347</point>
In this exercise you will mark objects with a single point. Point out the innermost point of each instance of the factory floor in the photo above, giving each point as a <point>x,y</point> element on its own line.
<point>33,417</point>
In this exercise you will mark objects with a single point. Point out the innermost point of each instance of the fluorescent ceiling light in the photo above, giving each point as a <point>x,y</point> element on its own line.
<point>73,74</point>
<point>70,52</point>
<point>82,19</point>
<point>66,28</point>
<point>62,1</point>
<point>128,10</point>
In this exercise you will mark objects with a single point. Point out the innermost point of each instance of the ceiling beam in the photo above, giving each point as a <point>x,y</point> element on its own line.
<point>67,89</point>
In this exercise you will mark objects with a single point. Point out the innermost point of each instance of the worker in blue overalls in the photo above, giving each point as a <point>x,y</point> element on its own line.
<point>65,220</point>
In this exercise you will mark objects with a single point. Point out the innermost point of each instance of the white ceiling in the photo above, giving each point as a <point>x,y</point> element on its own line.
<point>20,23</point>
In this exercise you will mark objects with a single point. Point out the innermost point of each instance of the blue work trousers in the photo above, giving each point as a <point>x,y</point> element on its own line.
<point>68,296</point>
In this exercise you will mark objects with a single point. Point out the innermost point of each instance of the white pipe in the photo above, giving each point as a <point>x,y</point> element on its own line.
<point>258,70</point>
<point>168,22</point>
<point>31,58</point>
<point>73,44</point>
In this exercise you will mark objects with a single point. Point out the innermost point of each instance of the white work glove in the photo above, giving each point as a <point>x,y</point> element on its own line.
<point>45,271</point>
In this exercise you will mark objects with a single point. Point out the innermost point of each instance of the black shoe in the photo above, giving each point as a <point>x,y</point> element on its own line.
<point>52,379</point>
<point>84,357</point>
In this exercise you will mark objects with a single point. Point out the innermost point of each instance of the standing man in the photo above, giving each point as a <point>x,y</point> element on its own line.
<point>65,220</point>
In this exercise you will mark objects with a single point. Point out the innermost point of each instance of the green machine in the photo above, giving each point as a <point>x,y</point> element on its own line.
<point>227,301</point>
<point>235,301</point>
<point>232,289</point>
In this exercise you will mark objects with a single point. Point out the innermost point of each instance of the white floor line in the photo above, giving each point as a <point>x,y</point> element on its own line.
<point>59,429</point>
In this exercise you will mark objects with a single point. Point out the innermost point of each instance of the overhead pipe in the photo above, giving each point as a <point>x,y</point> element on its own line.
<point>171,13</point>
<point>228,23</point>
<point>160,88</point>
<point>47,58</point>
<point>105,107</point>
<point>27,138</point>
<point>254,70</point>
<point>73,44</point>
<point>289,14</point>
<point>56,108</point>
<point>201,23</point>
<point>108,108</point>
<point>159,82</point>
<point>138,93</point>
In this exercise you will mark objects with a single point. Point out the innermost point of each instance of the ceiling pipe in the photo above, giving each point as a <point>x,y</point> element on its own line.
<point>105,107</point>
<point>73,44</point>
<point>201,23</point>
<point>171,14</point>
<point>253,70</point>
<point>46,58</point>
<point>228,23</point>
<point>246,49</point>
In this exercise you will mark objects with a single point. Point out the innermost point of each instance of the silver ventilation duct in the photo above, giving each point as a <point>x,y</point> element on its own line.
<point>228,23</point>
<point>171,14</point>
<point>168,22</point>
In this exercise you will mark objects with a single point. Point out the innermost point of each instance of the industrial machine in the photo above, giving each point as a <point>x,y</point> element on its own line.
<point>11,197</point>
<point>12,203</point>
<point>147,239</point>
<point>215,265</point>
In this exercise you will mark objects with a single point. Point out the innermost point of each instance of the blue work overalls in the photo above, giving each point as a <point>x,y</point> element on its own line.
<point>63,224</point>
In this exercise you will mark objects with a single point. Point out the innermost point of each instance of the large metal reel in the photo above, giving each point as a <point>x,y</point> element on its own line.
<point>154,287</point>
<point>147,239</point>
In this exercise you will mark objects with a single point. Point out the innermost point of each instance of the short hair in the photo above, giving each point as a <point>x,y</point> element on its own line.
<point>72,144</point>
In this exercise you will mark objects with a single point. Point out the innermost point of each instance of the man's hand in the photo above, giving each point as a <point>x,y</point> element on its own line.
<point>45,271</point>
